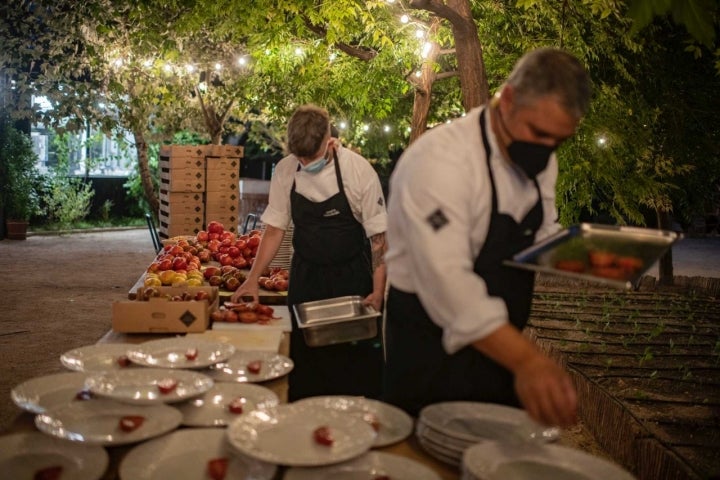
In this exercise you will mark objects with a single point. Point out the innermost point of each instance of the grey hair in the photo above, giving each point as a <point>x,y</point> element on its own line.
<point>551,72</point>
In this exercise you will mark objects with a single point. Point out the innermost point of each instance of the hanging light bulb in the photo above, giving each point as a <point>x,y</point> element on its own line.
<point>404,18</point>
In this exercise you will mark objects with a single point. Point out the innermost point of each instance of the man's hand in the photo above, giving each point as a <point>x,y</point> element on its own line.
<point>375,300</point>
<point>543,387</point>
<point>249,288</point>
<point>546,391</point>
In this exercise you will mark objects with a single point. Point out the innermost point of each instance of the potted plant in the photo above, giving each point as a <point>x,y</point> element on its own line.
<point>19,198</point>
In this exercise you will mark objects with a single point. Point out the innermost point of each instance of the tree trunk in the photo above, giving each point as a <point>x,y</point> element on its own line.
<point>666,276</point>
<point>145,177</point>
<point>473,79</point>
<point>423,89</point>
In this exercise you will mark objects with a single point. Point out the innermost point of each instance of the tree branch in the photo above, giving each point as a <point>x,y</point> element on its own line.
<point>440,9</point>
<point>363,53</point>
<point>443,75</point>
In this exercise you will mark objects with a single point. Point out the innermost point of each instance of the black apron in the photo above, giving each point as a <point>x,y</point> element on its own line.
<point>418,370</point>
<point>331,259</point>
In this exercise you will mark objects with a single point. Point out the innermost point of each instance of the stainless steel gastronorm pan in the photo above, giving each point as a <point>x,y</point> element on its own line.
<point>575,246</point>
<point>336,320</point>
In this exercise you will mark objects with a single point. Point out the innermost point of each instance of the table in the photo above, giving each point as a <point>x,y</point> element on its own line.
<point>409,448</point>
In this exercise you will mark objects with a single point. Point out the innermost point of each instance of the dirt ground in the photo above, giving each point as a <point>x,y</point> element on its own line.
<point>58,292</point>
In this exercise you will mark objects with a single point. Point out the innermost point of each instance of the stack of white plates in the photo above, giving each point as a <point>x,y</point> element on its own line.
<point>284,254</point>
<point>445,430</point>
<point>535,461</point>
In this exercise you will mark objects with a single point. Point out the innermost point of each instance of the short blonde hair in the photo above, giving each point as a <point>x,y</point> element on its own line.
<point>307,129</point>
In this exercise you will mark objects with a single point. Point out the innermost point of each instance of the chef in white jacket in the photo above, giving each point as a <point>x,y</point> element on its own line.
<point>464,197</point>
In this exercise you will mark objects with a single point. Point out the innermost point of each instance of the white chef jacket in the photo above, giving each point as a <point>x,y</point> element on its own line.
<point>445,170</point>
<point>360,181</point>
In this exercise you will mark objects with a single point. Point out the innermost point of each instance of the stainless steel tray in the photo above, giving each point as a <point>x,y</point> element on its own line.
<point>336,320</point>
<point>607,254</point>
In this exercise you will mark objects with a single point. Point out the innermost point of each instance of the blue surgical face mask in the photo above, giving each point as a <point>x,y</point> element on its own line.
<point>315,166</point>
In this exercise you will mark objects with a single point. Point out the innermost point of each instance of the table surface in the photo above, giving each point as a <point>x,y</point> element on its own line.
<point>409,448</point>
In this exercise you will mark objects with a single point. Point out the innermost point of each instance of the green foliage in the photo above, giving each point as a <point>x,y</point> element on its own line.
<point>66,199</point>
<point>20,179</point>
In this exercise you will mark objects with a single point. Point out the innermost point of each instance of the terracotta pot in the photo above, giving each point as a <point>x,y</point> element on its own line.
<point>16,229</point>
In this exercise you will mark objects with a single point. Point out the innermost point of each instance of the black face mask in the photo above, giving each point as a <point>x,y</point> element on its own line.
<point>532,158</point>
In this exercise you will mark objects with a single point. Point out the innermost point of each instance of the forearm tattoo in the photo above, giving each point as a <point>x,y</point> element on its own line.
<point>378,247</point>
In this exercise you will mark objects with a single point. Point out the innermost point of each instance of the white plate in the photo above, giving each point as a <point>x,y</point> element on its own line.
<point>211,408</point>
<point>513,461</point>
<point>140,385</point>
<point>96,422</point>
<point>94,358</point>
<point>235,369</point>
<point>394,424</point>
<point>170,353</point>
<point>284,435</point>
<point>367,466</point>
<point>23,454</point>
<point>184,455</point>
<point>40,393</point>
<point>476,422</point>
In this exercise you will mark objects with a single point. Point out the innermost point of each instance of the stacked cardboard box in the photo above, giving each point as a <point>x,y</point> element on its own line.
<point>198,184</point>
<point>222,179</point>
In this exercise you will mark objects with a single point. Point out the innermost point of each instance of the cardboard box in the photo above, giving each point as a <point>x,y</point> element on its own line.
<point>222,185</point>
<point>176,229</point>
<point>235,151</point>
<point>186,208</point>
<point>183,180</point>
<point>222,206</point>
<point>221,175</point>
<point>183,150</point>
<point>167,197</point>
<point>193,219</point>
<point>181,162</point>
<point>161,315</point>
<point>222,196</point>
<point>223,163</point>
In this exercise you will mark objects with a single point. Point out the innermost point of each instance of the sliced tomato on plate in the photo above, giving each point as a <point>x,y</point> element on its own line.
<point>217,468</point>
<point>323,436</point>
<point>130,423</point>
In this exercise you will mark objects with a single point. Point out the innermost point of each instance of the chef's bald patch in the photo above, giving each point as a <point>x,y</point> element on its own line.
<point>437,219</point>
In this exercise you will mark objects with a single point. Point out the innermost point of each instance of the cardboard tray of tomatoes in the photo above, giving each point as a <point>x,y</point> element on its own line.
<point>612,255</point>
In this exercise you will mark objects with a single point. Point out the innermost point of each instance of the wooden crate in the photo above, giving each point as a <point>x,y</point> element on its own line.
<point>222,185</point>
<point>235,151</point>
<point>222,175</point>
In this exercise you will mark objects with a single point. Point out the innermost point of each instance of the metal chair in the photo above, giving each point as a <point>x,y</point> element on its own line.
<point>153,233</point>
<point>250,217</point>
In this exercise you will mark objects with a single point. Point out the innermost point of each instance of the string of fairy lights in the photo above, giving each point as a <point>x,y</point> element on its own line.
<point>244,62</point>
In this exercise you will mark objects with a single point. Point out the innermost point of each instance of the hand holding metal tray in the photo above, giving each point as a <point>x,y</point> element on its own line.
<point>611,255</point>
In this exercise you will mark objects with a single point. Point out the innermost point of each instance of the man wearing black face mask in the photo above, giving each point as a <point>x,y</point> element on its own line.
<point>463,198</point>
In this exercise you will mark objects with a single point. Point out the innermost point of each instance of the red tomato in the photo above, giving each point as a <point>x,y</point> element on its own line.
<point>629,264</point>
<point>599,258</point>
<point>48,473</point>
<point>123,361</point>
<point>215,227</point>
<point>253,241</point>
<point>323,436</point>
<point>254,366</point>
<point>217,468</point>
<point>616,273</point>
<point>236,406</point>
<point>570,265</point>
<point>264,310</point>
<point>372,419</point>
<point>191,353</point>
<point>129,423</point>
<point>202,236</point>
<point>248,317</point>
<point>167,385</point>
